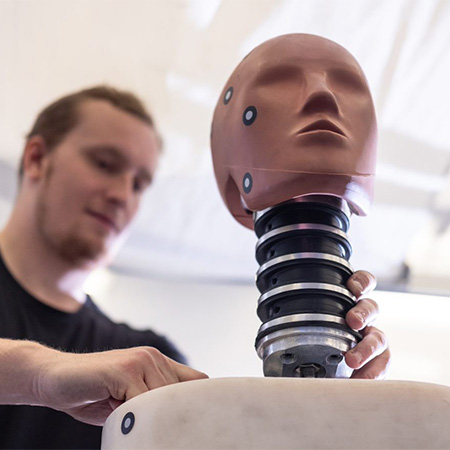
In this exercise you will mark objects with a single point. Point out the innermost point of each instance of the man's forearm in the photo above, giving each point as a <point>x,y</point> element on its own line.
<point>20,364</point>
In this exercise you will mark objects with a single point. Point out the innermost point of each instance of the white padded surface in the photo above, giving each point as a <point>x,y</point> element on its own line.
<point>281,413</point>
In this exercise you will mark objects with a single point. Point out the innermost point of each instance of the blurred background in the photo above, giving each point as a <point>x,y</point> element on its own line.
<point>188,268</point>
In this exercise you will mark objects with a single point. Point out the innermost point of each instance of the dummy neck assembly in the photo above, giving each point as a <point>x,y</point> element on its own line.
<point>303,252</point>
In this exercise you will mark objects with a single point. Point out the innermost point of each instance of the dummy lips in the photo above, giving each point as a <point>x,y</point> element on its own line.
<point>322,125</point>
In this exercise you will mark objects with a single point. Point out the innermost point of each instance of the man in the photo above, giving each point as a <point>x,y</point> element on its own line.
<point>86,163</point>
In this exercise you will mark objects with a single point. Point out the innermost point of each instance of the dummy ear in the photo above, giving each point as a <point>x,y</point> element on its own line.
<point>34,157</point>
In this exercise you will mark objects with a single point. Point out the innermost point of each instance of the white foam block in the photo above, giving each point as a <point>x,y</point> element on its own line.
<point>283,413</point>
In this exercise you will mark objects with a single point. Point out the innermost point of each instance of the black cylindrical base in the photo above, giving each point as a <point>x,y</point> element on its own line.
<point>303,250</point>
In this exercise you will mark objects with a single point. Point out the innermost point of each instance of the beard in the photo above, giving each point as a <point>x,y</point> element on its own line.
<point>77,250</point>
<point>71,244</point>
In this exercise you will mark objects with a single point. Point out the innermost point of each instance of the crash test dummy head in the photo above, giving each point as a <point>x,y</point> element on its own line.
<point>295,118</point>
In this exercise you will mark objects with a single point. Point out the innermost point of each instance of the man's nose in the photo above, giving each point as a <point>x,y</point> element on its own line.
<point>319,95</point>
<point>120,190</point>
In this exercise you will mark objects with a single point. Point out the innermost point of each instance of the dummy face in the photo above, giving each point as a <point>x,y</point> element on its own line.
<point>92,183</point>
<point>295,115</point>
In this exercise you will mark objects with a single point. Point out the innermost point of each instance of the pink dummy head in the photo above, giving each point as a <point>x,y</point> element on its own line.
<point>295,118</point>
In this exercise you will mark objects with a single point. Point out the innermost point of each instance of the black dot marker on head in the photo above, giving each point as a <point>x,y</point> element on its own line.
<point>228,95</point>
<point>249,116</point>
<point>247,183</point>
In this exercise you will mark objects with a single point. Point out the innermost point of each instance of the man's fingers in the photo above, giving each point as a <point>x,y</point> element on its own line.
<point>157,370</point>
<point>135,387</point>
<point>158,377</point>
<point>375,369</point>
<point>371,356</point>
<point>361,283</point>
<point>142,369</point>
<point>186,373</point>
<point>114,403</point>
<point>373,344</point>
<point>362,314</point>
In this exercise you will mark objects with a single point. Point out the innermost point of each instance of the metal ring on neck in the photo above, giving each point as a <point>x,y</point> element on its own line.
<point>293,257</point>
<point>294,318</point>
<point>301,227</point>
<point>303,287</point>
<point>320,334</point>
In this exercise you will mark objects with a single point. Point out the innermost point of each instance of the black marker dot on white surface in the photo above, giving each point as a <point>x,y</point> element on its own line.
<point>127,423</point>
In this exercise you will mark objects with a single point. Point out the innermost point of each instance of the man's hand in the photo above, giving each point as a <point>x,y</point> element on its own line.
<point>86,386</point>
<point>371,357</point>
<point>90,386</point>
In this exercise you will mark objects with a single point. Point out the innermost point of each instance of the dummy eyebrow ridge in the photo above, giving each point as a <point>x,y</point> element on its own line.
<point>276,73</point>
<point>349,74</point>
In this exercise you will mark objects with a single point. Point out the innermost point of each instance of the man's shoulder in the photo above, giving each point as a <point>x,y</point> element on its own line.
<point>122,335</point>
<point>92,312</point>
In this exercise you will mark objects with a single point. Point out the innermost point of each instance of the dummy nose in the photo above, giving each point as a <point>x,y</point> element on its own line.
<point>320,97</point>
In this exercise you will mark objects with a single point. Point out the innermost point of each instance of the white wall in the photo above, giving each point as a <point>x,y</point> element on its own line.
<point>216,324</point>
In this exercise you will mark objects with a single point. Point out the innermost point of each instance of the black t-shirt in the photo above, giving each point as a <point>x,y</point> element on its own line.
<point>24,317</point>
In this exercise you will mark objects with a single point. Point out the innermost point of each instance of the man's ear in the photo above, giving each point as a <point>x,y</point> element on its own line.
<point>34,157</point>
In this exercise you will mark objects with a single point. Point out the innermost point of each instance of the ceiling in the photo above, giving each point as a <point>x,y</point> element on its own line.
<point>177,55</point>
